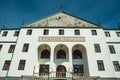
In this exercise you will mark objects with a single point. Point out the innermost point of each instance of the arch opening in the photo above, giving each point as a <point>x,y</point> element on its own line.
<point>61,71</point>
<point>77,54</point>
<point>80,63</point>
<point>61,54</point>
<point>44,52</point>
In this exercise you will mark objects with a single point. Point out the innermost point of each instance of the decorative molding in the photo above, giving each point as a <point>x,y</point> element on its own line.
<point>10,29</point>
<point>113,42</point>
<point>74,27</point>
<point>111,29</point>
<point>61,39</point>
<point>7,41</point>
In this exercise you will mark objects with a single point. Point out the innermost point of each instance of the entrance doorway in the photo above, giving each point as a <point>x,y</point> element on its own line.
<point>61,71</point>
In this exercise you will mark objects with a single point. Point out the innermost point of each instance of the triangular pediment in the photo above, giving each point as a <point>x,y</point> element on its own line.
<point>61,19</point>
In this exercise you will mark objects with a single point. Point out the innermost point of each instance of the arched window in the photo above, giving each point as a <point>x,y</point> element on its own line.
<point>45,54</point>
<point>77,54</point>
<point>61,54</point>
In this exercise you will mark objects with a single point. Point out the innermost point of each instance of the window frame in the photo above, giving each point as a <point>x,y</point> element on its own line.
<point>46,32</point>
<point>60,55</point>
<point>45,54</point>
<point>77,32</point>
<point>112,49</point>
<point>61,31</point>
<point>77,54</point>
<point>80,68</point>
<point>100,65</point>
<point>6,65</point>
<point>25,47</point>
<point>107,34</point>
<point>11,49</point>
<point>1,47</point>
<point>21,65</point>
<point>116,65</point>
<point>118,34</point>
<point>29,32</point>
<point>94,32</point>
<point>5,33</point>
<point>43,67</point>
<point>97,48</point>
<point>16,33</point>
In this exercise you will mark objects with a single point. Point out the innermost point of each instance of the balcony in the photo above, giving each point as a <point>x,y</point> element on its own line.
<point>63,76</point>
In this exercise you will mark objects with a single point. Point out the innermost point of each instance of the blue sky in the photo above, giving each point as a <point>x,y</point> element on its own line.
<point>13,12</point>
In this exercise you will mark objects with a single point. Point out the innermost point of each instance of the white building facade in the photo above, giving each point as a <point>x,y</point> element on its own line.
<point>60,47</point>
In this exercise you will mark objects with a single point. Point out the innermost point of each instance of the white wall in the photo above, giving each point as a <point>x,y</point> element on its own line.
<point>31,56</point>
<point>6,41</point>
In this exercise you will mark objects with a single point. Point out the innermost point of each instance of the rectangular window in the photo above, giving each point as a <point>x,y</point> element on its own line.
<point>11,49</point>
<point>97,48</point>
<point>5,33</point>
<point>6,65</point>
<point>100,65</point>
<point>0,47</point>
<point>112,49</point>
<point>21,65</point>
<point>16,33</point>
<point>78,68</point>
<point>116,65</point>
<point>61,32</point>
<point>46,32</point>
<point>29,32</point>
<point>94,32</point>
<point>107,34</point>
<point>77,32</point>
<point>44,69</point>
<point>25,48</point>
<point>118,34</point>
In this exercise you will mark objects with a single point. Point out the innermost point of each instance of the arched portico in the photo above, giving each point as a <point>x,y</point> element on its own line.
<point>66,59</point>
<point>79,59</point>
<point>44,52</point>
<point>61,54</point>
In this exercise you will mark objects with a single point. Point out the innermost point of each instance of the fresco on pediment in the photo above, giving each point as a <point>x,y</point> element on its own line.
<point>61,19</point>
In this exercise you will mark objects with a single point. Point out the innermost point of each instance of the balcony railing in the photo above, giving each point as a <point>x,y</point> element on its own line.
<point>48,78</point>
<point>60,74</point>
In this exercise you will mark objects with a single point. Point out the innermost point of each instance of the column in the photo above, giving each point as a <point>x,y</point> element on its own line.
<point>70,69</point>
<point>52,55</point>
<point>52,59</point>
<point>70,59</point>
<point>52,66</point>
